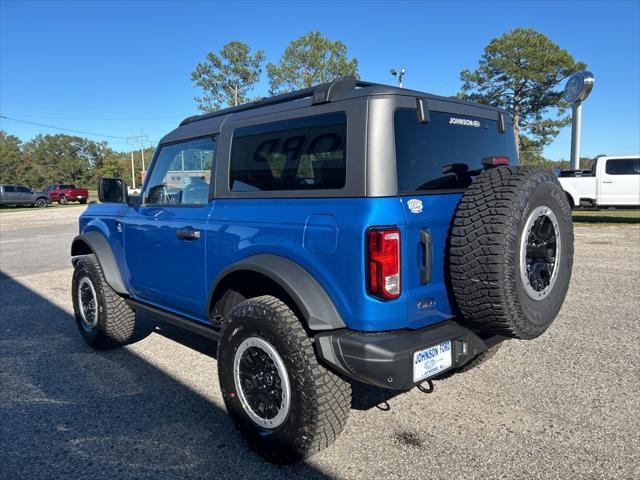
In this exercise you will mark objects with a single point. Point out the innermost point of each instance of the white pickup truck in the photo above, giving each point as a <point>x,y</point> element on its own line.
<point>612,182</point>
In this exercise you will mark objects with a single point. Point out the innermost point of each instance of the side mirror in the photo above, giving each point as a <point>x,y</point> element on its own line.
<point>112,190</point>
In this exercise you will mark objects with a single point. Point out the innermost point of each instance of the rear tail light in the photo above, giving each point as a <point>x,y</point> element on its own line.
<point>383,262</point>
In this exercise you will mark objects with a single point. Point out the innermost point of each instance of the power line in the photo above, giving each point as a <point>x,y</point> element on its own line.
<point>54,127</point>
<point>62,128</point>
<point>101,119</point>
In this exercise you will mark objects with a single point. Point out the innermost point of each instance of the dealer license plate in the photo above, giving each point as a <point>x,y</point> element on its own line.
<point>431,361</point>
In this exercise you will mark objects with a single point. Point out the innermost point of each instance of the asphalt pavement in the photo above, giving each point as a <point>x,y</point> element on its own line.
<point>562,406</point>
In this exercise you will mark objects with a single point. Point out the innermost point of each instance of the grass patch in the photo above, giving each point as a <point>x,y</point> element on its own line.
<point>606,217</point>
<point>5,210</point>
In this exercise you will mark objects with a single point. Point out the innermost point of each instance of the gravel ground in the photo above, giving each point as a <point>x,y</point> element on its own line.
<point>562,406</point>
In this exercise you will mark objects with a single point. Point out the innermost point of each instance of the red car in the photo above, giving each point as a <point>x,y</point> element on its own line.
<point>64,193</point>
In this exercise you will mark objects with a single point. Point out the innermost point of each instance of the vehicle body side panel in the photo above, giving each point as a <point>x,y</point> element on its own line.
<point>107,219</point>
<point>164,269</point>
<point>244,227</point>
<point>616,190</point>
<point>580,188</point>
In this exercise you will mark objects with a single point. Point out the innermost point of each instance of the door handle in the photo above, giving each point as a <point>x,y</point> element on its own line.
<point>607,181</point>
<point>425,268</point>
<point>188,234</point>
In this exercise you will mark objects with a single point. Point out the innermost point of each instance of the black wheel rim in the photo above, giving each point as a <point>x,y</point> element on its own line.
<point>540,252</point>
<point>88,304</point>
<point>262,382</point>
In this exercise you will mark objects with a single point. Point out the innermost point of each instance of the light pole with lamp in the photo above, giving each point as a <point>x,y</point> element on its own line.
<point>399,75</point>
<point>576,91</point>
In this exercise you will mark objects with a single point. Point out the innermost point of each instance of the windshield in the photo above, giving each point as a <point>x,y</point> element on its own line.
<point>446,153</point>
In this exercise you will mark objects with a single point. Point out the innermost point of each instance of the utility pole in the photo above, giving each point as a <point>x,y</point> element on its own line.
<point>142,137</point>
<point>134,141</point>
<point>133,170</point>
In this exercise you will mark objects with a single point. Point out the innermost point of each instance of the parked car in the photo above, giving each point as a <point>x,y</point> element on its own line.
<point>408,248</point>
<point>64,193</point>
<point>611,182</point>
<point>14,195</point>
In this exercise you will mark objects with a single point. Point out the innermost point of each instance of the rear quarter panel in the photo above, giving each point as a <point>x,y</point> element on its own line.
<point>326,237</point>
<point>333,255</point>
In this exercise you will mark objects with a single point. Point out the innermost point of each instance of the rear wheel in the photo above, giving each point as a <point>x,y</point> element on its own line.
<point>512,251</point>
<point>104,318</point>
<point>282,401</point>
<point>63,200</point>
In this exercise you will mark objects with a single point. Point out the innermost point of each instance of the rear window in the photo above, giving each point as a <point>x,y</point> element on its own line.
<point>446,153</point>
<point>623,166</point>
<point>299,154</point>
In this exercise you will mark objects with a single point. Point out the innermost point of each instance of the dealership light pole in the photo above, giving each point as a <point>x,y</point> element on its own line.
<point>399,75</point>
<point>576,91</point>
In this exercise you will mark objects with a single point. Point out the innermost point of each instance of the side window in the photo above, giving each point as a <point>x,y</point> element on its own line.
<point>23,190</point>
<point>181,174</point>
<point>623,166</point>
<point>299,154</point>
<point>9,189</point>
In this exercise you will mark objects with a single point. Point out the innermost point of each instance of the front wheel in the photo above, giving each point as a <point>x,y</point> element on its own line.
<point>104,318</point>
<point>41,203</point>
<point>282,401</point>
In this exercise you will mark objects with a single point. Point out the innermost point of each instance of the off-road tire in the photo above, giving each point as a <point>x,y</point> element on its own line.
<point>116,319</point>
<point>485,247</point>
<point>63,200</point>
<point>320,400</point>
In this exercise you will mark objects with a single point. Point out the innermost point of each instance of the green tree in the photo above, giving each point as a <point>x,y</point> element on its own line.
<point>62,158</point>
<point>227,78</point>
<point>309,60</point>
<point>521,71</point>
<point>11,163</point>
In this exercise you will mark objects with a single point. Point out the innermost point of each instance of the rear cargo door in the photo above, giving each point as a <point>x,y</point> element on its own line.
<point>436,161</point>
<point>428,219</point>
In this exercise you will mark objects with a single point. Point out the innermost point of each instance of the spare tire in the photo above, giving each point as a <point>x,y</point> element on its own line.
<point>511,251</point>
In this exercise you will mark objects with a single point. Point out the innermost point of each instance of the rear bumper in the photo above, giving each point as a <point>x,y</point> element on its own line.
<point>386,359</point>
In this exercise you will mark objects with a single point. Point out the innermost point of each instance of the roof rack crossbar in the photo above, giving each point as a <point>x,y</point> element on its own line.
<point>322,93</point>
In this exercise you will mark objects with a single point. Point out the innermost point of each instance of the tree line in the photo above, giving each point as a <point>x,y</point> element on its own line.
<point>47,159</point>
<point>522,71</point>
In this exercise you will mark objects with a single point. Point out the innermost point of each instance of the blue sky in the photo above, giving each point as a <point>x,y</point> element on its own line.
<point>114,68</point>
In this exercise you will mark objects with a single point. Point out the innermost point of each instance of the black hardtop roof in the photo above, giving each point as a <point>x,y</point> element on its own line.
<point>342,88</point>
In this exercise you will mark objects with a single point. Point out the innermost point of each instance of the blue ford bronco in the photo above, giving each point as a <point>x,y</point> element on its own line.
<point>347,232</point>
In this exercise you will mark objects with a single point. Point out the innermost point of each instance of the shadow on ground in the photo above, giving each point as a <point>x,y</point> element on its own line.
<point>365,396</point>
<point>67,411</point>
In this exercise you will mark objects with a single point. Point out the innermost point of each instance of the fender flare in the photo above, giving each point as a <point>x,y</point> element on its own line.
<point>316,306</point>
<point>100,247</point>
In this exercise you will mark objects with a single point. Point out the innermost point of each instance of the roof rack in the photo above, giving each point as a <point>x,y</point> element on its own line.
<point>322,93</point>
